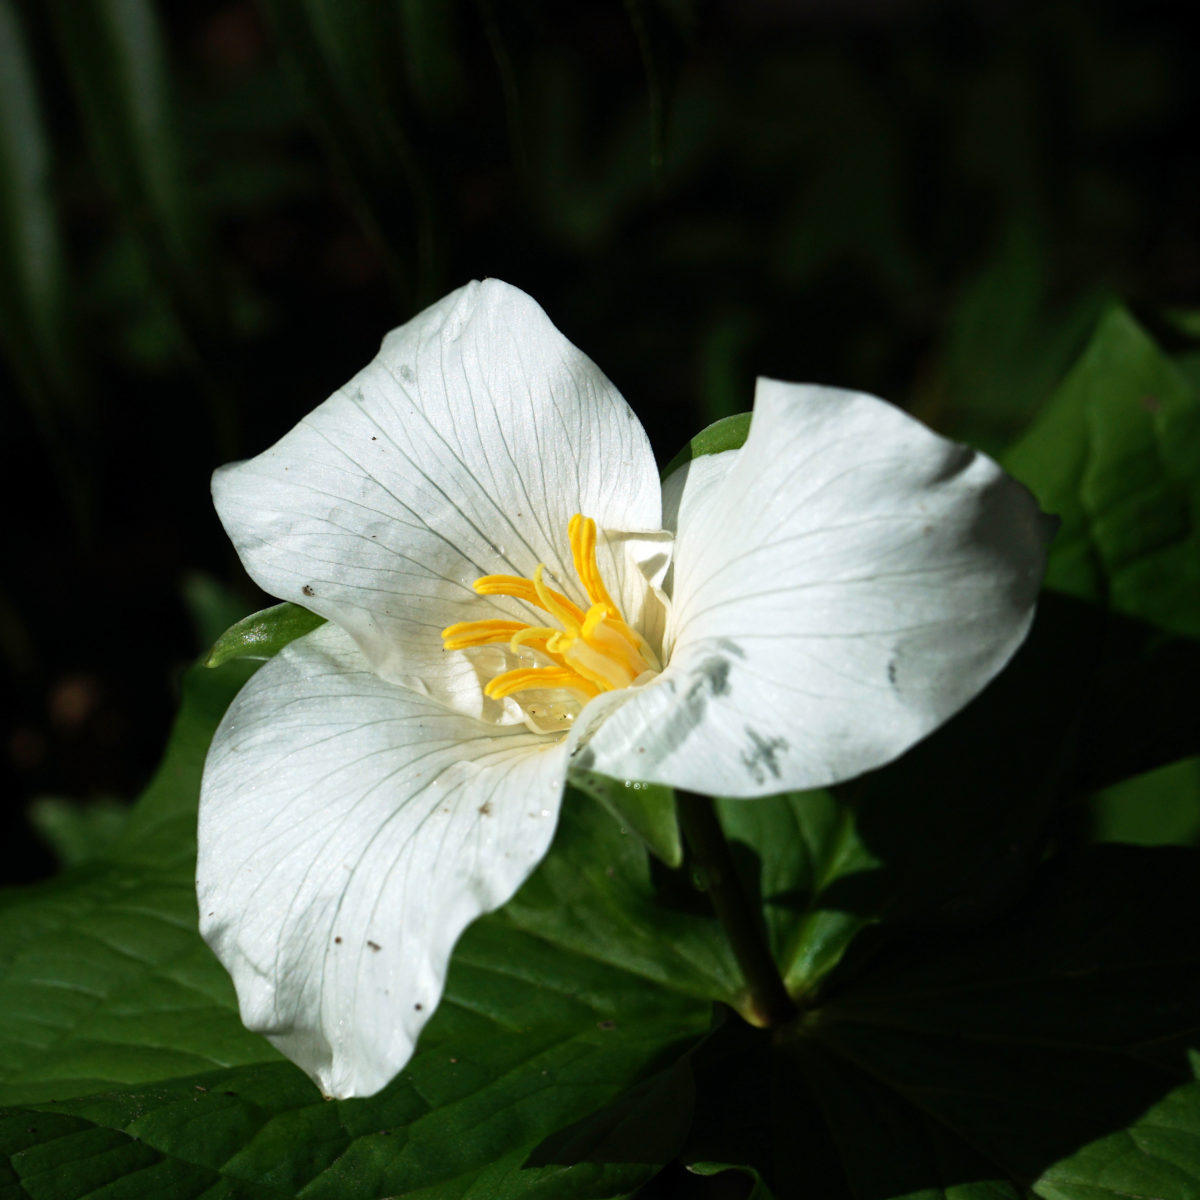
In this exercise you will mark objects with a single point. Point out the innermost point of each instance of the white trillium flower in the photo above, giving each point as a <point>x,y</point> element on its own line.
<point>510,593</point>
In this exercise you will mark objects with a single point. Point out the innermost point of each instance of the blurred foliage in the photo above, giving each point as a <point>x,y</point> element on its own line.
<point>210,213</point>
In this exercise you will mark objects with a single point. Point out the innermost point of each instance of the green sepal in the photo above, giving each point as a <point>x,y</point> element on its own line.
<point>729,433</point>
<point>758,1189</point>
<point>647,808</point>
<point>263,634</point>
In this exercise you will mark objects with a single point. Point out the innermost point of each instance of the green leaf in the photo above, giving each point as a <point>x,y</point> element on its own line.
<point>1157,1155</point>
<point>801,858</point>
<point>595,895</point>
<point>454,1124</point>
<point>1047,1047</point>
<point>1055,1027</point>
<point>729,433</point>
<point>758,1190</point>
<point>1116,455</point>
<point>121,1045</point>
<point>885,1146</point>
<point>647,808</point>
<point>649,1123</point>
<point>103,978</point>
<point>263,634</point>
<point>1008,343</point>
<point>1159,808</point>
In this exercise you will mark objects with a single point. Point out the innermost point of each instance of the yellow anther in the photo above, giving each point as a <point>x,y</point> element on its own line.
<point>590,651</point>
<point>479,633</point>
<point>557,605</point>
<point>581,531</point>
<point>521,589</point>
<point>528,678</point>
<point>537,636</point>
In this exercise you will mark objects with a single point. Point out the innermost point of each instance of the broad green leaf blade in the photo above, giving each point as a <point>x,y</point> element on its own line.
<point>161,831</point>
<point>1158,1155</point>
<point>888,1147</point>
<point>958,824</point>
<point>1139,713</point>
<point>1117,456</point>
<point>1053,1028</point>
<point>1047,1048</point>
<point>1159,808</point>
<point>103,978</point>
<point>120,1041</point>
<point>263,634</point>
<point>649,1123</point>
<point>801,858</point>
<point>1008,344</point>
<point>450,1127</point>
<point>647,808</point>
<point>595,896</point>
<point>729,433</point>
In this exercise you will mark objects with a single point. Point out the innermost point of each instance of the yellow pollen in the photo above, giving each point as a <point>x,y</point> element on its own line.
<point>588,653</point>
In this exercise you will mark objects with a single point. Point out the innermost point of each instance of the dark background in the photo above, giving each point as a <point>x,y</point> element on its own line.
<point>210,213</point>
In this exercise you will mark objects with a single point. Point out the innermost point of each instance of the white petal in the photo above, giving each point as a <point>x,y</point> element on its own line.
<point>849,584</point>
<point>349,831</point>
<point>463,449</point>
<point>689,490</point>
<point>691,487</point>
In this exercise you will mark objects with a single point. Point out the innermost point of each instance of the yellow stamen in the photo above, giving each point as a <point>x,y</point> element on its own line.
<point>479,633</point>
<point>581,531</point>
<point>522,589</point>
<point>527,678</point>
<point>533,635</point>
<point>591,651</point>
<point>556,604</point>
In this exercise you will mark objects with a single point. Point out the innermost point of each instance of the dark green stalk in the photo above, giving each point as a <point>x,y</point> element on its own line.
<point>769,1002</point>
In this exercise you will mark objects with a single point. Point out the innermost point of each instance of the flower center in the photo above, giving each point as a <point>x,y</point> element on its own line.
<point>586,653</point>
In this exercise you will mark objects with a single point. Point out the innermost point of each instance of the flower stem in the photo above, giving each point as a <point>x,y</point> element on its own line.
<point>769,1002</point>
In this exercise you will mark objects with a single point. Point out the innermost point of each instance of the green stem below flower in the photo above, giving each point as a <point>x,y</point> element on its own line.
<point>769,1002</point>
